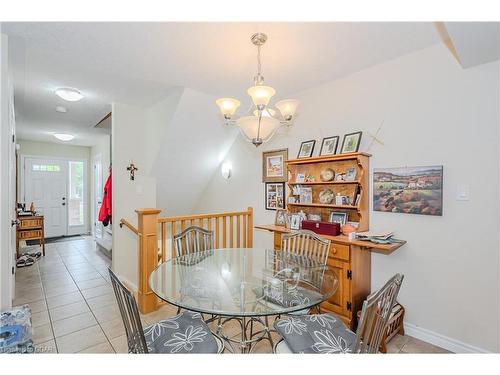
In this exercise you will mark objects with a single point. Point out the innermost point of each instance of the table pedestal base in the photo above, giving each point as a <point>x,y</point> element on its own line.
<point>248,337</point>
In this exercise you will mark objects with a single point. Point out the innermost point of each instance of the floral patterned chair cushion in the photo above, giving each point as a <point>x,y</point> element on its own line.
<point>322,333</point>
<point>293,297</point>
<point>183,333</point>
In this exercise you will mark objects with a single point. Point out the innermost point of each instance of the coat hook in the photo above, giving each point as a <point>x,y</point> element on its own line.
<point>132,168</point>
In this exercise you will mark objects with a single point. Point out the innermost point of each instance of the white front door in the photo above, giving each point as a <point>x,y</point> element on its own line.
<point>46,185</point>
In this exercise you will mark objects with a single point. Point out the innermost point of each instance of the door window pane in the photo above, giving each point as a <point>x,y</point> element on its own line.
<point>75,200</point>
<point>45,168</point>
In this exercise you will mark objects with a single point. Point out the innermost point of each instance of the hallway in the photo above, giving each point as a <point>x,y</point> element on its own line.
<point>72,301</point>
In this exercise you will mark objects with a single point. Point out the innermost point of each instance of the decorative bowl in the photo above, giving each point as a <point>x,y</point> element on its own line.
<point>326,196</point>
<point>327,175</point>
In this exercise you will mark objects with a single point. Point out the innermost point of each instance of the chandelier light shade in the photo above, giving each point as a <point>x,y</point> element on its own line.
<point>228,106</point>
<point>287,107</point>
<point>261,121</point>
<point>261,95</point>
<point>258,134</point>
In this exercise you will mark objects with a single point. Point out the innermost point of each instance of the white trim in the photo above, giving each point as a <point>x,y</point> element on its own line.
<point>442,341</point>
<point>84,228</point>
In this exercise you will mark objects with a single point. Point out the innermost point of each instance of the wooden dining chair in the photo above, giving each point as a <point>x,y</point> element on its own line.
<point>183,333</point>
<point>192,240</point>
<point>327,333</point>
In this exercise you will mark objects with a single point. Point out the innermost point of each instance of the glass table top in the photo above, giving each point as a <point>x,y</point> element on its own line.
<point>243,282</point>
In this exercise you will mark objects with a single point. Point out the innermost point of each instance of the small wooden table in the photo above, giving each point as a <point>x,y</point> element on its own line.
<point>30,228</point>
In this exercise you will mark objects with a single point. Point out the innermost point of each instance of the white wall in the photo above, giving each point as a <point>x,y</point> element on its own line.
<point>57,150</point>
<point>176,152</point>
<point>192,145</point>
<point>6,251</point>
<point>131,141</point>
<point>434,113</point>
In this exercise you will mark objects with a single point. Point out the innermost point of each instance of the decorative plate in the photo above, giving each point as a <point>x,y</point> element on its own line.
<point>326,196</point>
<point>327,175</point>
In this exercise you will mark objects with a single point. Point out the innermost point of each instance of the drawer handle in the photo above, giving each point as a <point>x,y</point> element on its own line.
<point>334,250</point>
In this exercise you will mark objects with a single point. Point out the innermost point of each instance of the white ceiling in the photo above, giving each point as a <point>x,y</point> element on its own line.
<point>475,42</point>
<point>138,63</point>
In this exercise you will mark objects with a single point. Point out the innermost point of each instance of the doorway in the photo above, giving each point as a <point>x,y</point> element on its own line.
<point>57,188</point>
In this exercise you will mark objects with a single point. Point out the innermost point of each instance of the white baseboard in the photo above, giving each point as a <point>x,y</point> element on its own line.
<point>444,342</point>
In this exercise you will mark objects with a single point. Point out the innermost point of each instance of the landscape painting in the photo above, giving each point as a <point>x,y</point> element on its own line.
<point>412,190</point>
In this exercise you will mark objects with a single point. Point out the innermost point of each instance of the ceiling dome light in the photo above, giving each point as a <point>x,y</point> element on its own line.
<point>64,137</point>
<point>69,94</point>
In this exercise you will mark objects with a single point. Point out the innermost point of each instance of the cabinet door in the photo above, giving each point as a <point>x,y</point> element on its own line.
<point>338,302</point>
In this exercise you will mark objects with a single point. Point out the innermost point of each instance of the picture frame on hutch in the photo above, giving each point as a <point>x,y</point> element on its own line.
<point>306,149</point>
<point>273,165</point>
<point>275,195</point>
<point>338,217</point>
<point>281,218</point>
<point>329,146</point>
<point>351,142</point>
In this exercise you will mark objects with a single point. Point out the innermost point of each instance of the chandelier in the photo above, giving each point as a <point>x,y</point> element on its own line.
<point>261,121</point>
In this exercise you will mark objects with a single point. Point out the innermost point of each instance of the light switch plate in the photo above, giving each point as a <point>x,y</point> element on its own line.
<point>463,193</point>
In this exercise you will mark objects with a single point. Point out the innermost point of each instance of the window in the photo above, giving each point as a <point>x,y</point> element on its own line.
<point>75,200</point>
<point>46,168</point>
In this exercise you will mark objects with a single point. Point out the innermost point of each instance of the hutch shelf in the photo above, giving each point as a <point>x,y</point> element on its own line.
<point>350,260</point>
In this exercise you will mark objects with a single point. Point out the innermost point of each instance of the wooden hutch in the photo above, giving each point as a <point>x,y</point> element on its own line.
<point>351,260</point>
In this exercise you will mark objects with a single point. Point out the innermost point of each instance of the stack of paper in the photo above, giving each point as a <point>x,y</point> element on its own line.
<point>377,237</point>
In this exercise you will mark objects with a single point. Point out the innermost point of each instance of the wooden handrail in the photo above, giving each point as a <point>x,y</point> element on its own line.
<point>128,225</point>
<point>170,219</point>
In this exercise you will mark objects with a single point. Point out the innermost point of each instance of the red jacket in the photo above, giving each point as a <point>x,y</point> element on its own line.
<point>105,211</point>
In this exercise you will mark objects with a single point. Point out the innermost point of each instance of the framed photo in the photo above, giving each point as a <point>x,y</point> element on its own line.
<point>306,149</point>
<point>295,220</point>
<point>305,195</point>
<point>329,146</point>
<point>350,174</point>
<point>338,217</point>
<point>275,195</point>
<point>410,190</point>
<point>273,165</point>
<point>281,218</point>
<point>351,142</point>
<point>301,177</point>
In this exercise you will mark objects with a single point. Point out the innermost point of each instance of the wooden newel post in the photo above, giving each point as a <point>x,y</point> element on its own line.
<point>250,227</point>
<point>147,219</point>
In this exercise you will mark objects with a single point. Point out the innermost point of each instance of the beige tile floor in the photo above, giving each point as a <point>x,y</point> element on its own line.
<point>74,309</point>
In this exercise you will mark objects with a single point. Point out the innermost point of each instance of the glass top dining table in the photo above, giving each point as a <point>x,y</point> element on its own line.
<point>243,282</point>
